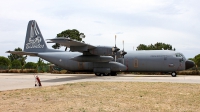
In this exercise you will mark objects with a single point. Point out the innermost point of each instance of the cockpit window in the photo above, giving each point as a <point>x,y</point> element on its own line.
<point>179,55</point>
<point>183,56</point>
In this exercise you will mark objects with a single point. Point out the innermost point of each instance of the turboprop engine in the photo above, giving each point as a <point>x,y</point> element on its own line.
<point>102,51</point>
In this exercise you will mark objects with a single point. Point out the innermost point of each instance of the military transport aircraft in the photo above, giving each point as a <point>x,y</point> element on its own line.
<point>102,60</point>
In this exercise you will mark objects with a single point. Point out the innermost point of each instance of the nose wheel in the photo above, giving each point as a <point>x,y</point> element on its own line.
<point>173,74</point>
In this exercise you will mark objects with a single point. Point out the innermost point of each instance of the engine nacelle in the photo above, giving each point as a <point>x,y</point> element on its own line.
<point>102,51</point>
<point>101,70</point>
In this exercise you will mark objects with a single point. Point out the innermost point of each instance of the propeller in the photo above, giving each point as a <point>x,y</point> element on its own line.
<point>115,49</point>
<point>123,52</point>
<point>65,48</point>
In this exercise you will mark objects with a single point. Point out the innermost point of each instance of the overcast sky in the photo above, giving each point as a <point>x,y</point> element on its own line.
<point>175,22</point>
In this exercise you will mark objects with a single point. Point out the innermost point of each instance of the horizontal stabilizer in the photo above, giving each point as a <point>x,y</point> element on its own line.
<point>23,53</point>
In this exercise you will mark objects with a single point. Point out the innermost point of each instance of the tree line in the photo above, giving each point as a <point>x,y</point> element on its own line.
<point>14,61</point>
<point>196,59</point>
<point>156,46</point>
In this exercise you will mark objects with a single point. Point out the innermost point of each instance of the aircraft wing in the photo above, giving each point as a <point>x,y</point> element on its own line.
<point>72,44</point>
<point>23,53</point>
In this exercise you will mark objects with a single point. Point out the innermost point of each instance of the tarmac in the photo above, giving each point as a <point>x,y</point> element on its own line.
<point>12,81</point>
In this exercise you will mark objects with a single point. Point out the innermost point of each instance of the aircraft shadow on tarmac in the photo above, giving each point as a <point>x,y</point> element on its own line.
<point>67,79</point>
<point>144,76</point>
<point>79,77</point>
<point>18,74</point>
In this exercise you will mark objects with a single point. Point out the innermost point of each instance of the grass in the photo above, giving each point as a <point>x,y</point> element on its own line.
<point>104,96</point>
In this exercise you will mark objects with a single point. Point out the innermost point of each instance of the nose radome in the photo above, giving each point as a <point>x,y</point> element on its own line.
<point>189,64</point>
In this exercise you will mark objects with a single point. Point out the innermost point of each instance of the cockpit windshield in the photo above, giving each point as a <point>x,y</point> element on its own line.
<point>179,55</point>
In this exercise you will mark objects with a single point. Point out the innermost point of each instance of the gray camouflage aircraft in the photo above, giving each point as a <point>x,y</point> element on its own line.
<point>102,60</point>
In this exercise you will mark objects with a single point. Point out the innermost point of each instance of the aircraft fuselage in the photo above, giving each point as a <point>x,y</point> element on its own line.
<point>100,59</point>
<point>135,61</point>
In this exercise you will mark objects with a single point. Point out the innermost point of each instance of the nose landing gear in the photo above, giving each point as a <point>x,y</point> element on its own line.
<point>173,74</point>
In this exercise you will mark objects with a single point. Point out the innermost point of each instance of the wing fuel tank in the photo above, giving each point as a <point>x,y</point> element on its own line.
<point>86,58</point>
<point>101,70</point>
<point>114,66</point>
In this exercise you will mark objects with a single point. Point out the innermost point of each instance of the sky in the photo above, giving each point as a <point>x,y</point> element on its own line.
<point>175,22</point>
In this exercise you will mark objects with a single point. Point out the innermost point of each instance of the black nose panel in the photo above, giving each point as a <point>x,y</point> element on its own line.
<point>189,64</point>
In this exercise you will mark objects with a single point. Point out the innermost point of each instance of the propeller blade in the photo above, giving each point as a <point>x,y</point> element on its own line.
<point>65,48</point>
<point>115,49</point>
<point>123,52</point>
<point>123,45</point>
<point>115,40</point>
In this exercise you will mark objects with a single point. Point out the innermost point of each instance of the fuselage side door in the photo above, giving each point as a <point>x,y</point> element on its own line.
<point>135,63</point>
<point>80,66</point>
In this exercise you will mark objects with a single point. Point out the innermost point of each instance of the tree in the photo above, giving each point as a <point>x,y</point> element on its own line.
<point>21,58</point>
<point>40,65</point>
<point>30,65</point>
<point>16,64</point>
<point>192,59</point>
<point>40,62</point>
<point>197,60</point>
<point>157,46</point>
<point>72,34</point>
<point>142,47</point>
<point>4,62</point>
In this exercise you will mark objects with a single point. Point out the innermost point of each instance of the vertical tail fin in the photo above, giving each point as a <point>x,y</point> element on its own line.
<point>34,41</point>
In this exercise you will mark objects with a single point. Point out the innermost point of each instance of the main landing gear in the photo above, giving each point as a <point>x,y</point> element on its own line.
<point>106,74</point>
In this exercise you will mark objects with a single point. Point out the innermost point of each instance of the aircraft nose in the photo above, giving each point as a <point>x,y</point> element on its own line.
<point>189,64</point>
